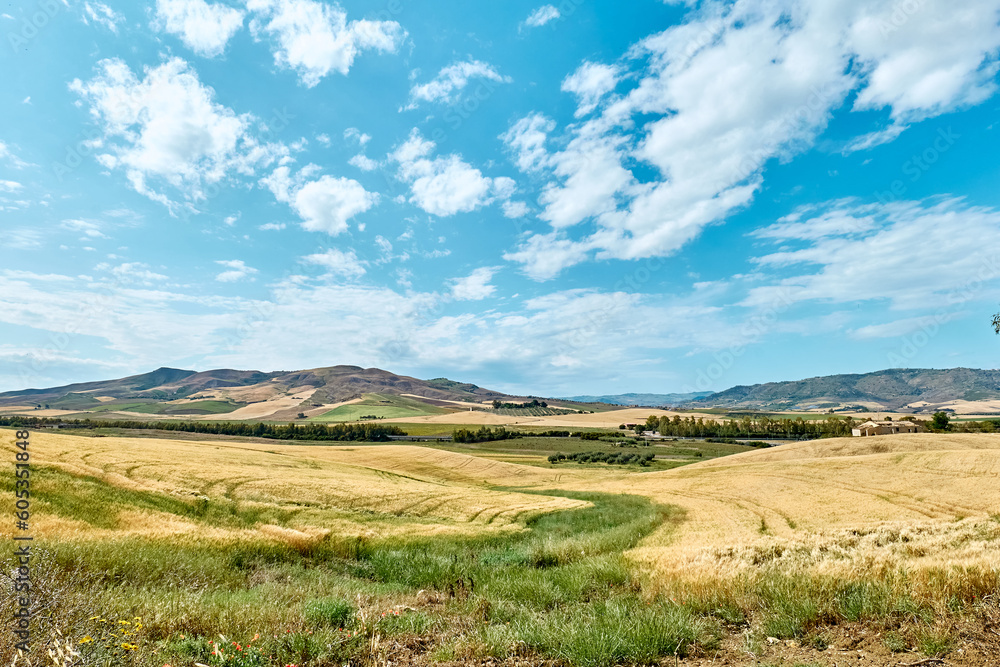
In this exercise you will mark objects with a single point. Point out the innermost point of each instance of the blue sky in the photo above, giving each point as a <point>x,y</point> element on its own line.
<point>579,197</point>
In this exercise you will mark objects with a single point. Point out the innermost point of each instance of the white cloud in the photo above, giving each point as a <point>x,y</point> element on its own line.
<point>873,139</point>
<point>927,61</point>
<point>526,138</point>
<point>238,270</point>
<point>339,263</point>
<point>272,227</point>
<point>315,38</point>
<point>10,186</point>
<point>590,82</point>
<point>88,228</point>
<point>449,82</point>
<point>734,87</point>
<point>545,255</point>
<point>884,253</point>
<point>325,204</point>
<point>135,273</point>
<point>168,127</point>
<point>21,238</point>
<point>445,185</point>
<point>515,209</point>
<point>363,162</point>
<point>101,14</point>
<point>204,28</point>
<point>904,326</point>
<point>541,16</point>
<point>14,160</point>
<point>474,287</point>
<point>355,134</point>
<point>230,220</point>
<point>323,139</point>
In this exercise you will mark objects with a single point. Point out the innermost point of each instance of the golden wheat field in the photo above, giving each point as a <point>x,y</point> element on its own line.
<point>838,506</point>
<point>339,489</point>
<point>831,506</point>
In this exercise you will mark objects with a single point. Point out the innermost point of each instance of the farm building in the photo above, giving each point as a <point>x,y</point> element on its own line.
<point>886,428</point>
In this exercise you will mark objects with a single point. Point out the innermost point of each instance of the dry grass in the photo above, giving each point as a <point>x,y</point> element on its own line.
<point>340,489</point>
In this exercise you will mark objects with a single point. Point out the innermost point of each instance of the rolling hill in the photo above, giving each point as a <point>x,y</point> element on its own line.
<point>893,389</point>
<point>255,394</point>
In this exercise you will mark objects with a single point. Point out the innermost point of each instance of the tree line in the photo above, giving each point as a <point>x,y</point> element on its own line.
<point>310,431</point>
<point>499,405</point>
<point>610,458</point>
<point>763,426</point>
<point>484,434</point>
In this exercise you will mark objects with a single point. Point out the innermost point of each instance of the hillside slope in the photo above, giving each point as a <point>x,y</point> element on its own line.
<point>222,391</point>
<point>890,389</point>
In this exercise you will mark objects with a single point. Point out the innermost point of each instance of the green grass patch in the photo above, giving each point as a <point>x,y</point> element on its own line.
<point>382,406</point>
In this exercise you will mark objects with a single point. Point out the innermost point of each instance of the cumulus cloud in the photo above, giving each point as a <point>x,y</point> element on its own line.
<point>315,38</point>
<point>445,185</point>
<point>526,140</point>
<point>515,209</point>
<point>590,82</point>
<point>167,127</point>
<point>732,88</point>
<point>238,271</point>
<point>10,186</point>
<point>325,204</point>
<point>202,27</point>
<point>474,287</point>
<point>339,263</point>
<point>541,16</point>
<point>451,80</point>
<point>363,162</point>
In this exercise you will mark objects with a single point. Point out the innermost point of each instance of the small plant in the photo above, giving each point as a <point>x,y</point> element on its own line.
<point>332,612</point>
<point>894,642</point>
<point>935,642</point>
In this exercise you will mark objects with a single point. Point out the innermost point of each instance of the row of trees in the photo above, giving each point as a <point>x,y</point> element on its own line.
<point>535,403</point>
<point>749,426</point>
<point>758,426</point>
<point>484,434</point>
<point>610,458</point>
<point>311,431</point>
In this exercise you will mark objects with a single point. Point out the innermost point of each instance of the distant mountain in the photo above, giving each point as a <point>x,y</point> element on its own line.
<point>233,388</point>
<point>894,389</point>
<point>654,400</point>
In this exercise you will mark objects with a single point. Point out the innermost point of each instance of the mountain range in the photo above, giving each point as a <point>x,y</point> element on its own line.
<point>909,389</point>
<point>348,392</point>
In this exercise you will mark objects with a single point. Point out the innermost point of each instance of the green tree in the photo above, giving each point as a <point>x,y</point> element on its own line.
<point>940,421</point>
